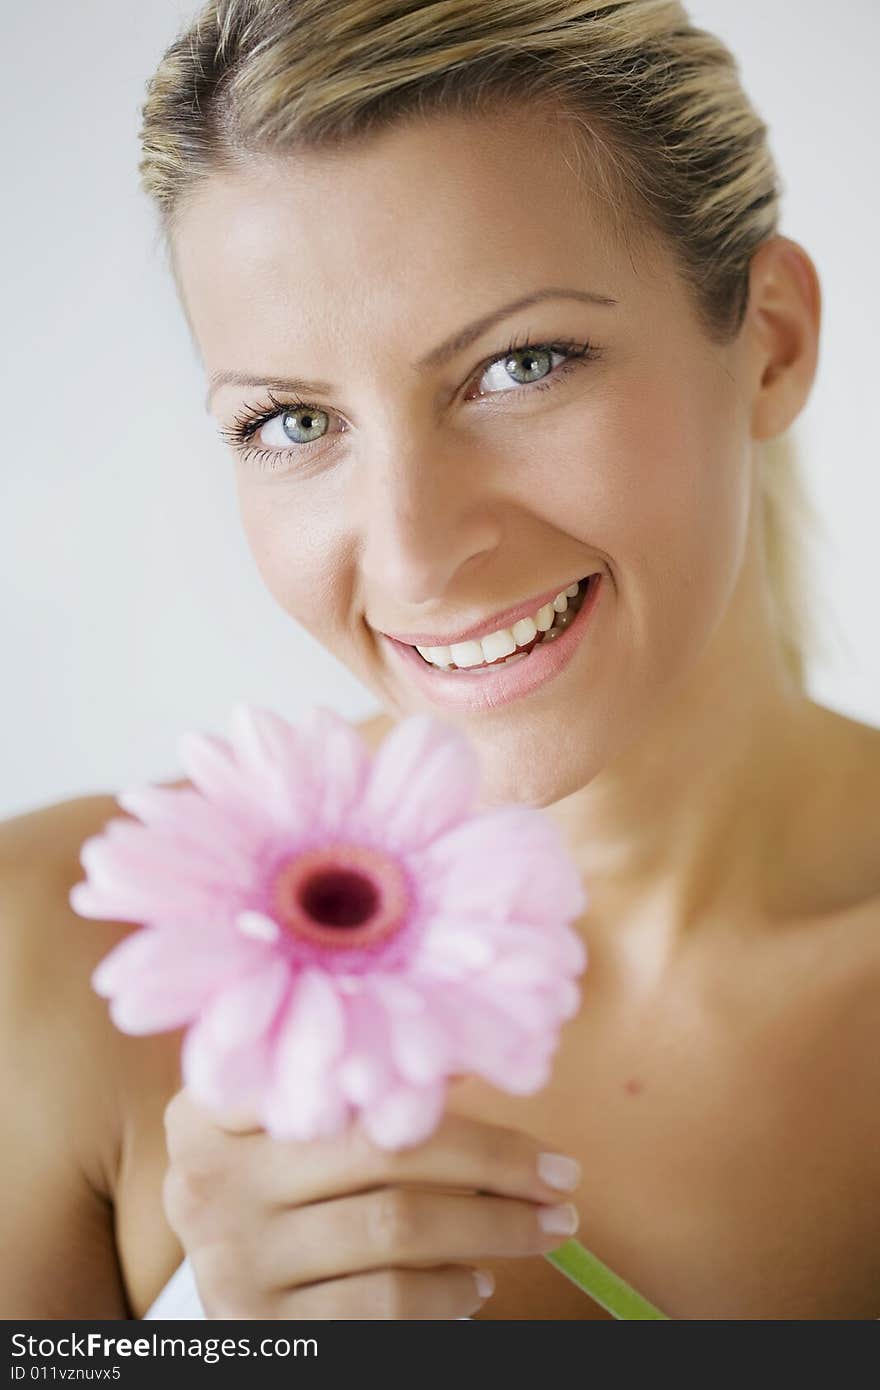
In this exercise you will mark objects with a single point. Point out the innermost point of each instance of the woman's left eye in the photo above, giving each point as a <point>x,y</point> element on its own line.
<point>528,365</point>
<point>517,371</point>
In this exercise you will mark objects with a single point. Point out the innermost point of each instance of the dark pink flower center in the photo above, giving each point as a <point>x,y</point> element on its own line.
<point>341,896</point>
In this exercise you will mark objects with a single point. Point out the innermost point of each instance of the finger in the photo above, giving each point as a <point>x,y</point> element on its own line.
<point>193,1130</point>
<point>393,1226</point>
<point>241,1120</point>
<point>395,1294</point>
<point>461,1154</point>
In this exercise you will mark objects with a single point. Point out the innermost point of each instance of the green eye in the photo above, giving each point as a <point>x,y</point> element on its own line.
<point>314,423</point>
<point>536,364</point>
<point>521,368</point>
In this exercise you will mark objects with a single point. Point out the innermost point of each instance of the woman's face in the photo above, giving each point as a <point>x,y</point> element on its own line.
<point>420,493</point>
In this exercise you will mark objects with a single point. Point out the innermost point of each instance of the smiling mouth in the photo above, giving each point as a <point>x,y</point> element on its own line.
<point>444,657</point>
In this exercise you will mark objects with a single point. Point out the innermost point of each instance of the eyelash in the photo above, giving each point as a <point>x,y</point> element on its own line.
<point>251,419</point>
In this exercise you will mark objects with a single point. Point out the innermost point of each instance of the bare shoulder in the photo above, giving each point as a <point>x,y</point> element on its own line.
<point>860,750</point>
<point>840,863</point>
<point>64,1072</point>
<point>47,949</point>
<point>862,795</point>
<point>846,946</point>
<point>76,1057</point>
<point>838,827</point>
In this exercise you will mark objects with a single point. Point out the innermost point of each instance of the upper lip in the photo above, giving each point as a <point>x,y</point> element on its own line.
<point>506,618</point>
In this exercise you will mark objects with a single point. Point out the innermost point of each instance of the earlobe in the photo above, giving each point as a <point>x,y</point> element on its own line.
<point>785,307</point>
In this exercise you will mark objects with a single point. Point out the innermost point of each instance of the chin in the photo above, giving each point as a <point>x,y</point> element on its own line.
<point>508,776</point>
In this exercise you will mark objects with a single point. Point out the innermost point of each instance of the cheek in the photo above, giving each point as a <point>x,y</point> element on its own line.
<point>686,484</point>
<point>661,485</point>
<point>293,554</point>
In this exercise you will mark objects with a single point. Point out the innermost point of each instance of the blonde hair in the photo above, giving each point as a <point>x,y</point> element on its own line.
<point>674,145</point>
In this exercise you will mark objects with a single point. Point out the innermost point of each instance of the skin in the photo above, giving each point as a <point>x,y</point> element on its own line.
<point>437,508</point>
<point>719,1084</point>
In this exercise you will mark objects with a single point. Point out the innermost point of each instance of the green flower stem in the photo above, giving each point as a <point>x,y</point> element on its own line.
<point>601,1283</point>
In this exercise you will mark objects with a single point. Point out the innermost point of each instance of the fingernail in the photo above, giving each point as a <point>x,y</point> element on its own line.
<point>485,1282</point>
<point>559,1171</point>
<point>560,1221</point>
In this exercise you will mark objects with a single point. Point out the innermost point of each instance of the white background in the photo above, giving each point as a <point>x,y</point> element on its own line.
<point>130,607</point>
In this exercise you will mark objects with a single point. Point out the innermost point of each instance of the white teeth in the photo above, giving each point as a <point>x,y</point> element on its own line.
<point>549,620</point>
<point>497,644</point>
<point>544,617</point>
<point>467,653</point>
<point>438,656</point>
<point>524,631</point>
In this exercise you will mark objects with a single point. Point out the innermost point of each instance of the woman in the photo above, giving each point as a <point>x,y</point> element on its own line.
<point>527,257</point>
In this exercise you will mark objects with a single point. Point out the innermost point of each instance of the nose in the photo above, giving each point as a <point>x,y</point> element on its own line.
<point>421,517</point>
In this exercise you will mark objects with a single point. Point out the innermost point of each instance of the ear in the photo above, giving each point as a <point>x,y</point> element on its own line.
<point>782,326</point>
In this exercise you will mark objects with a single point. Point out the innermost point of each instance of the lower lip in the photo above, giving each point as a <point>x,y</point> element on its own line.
<point>487,687</point>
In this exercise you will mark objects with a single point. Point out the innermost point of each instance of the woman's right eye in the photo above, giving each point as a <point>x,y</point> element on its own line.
<point>288,428</point>
<point>294,425</point>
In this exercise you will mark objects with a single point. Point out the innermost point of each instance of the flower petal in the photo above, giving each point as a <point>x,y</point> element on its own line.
<point>455,947</point>
<point>422,1048</point>
<point>481,983</point>
<point>515,971</point>
<point>529,1071</point>
<point>158,978</point>
<point>424,778</point>
<point>307,1106</point>
<point>276,755</point>
<point>488,1039</point>
<point>404,1116</point>
<point>225,1079</point>
<point>135,952</point>
<point>561,946</point>
<point>143,850</point>
<point>528,1010</point>
<point>210,763</point>
<point>566,996</point>
<point>130,879</point>
<point>507,864</point>
<point>345,765</point>
<point>264,743</point>
<point>393,992</point>
<point>186,814</point>
<point>312,1033</point>
<point>367,1069</point>
<point>246,1007</point>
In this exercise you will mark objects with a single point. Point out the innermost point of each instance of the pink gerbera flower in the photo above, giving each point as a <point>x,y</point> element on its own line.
<point>339,933</point>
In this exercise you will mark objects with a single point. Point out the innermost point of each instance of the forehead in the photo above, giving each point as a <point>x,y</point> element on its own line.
<point>438,217</point>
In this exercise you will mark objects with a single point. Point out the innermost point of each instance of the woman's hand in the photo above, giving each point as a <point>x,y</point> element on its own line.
<point>339,1228</point>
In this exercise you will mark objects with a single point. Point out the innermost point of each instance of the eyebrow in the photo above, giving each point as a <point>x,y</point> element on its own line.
<point>437,357</point>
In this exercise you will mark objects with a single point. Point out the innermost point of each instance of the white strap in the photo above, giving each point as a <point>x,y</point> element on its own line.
<point>179,1298</point>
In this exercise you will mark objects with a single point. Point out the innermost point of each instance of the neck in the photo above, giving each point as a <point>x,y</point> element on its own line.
<point>695,821</point>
